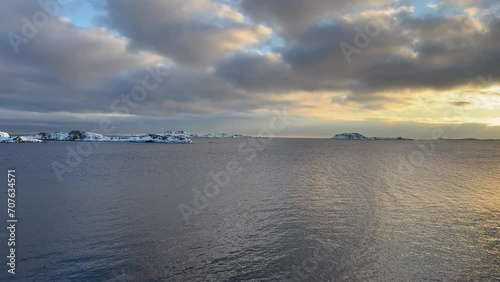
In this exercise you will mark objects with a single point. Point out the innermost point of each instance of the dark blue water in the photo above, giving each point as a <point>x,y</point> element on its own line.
<point>307,210</point>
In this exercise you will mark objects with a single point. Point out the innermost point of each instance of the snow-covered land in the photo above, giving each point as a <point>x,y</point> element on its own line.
<point>83,136</point>
<point>357,136</point>
<point>177,137</point>
<point>6,138</point>
<point>151,138</point>
<point>95,137</point>
<point>75,135</point>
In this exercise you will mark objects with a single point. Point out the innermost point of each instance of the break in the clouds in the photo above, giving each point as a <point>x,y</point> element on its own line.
<point>225,65</point>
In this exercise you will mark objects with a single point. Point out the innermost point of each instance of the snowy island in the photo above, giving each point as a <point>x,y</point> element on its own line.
<point>357,136</point>
<point>171,137</point>
<point>6,138</point>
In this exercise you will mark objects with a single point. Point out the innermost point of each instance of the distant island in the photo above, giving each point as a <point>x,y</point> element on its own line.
<point>177,137</point>
<point>357,136</point>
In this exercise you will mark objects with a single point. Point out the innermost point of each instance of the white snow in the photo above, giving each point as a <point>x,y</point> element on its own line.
<point>54,136</point>
<point>29,139</point>
<point>6,138</point>
<point>91,136</point>
<point>152,138</point>
<point>19,139</point>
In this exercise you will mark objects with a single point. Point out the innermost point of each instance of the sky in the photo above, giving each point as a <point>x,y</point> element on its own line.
<point>378,67</point>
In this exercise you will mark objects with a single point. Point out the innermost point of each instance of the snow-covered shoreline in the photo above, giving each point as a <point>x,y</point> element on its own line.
<point>170,137</point>
<point>82,136</point>
<point>6,138</point>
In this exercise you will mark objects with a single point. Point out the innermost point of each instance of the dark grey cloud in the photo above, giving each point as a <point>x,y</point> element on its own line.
<point>189,32</point>
<point>292,16</point>
<point>199,93</point>
<point>182,92</point>
<point>450,52</point>
<point>261,73</point>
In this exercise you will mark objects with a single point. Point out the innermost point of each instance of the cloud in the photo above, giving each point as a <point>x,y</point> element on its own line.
<point>407,53</point>
<point>469,3</point>
<point>416,53</point>
<point>292,16</point>
<point>263,72</point>
<point>53,45</point>
<point>472,8</point>
<point>229,13</point>
<point>184,30</point>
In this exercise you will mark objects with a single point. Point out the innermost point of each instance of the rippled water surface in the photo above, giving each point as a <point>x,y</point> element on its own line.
<point>310,210</point>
